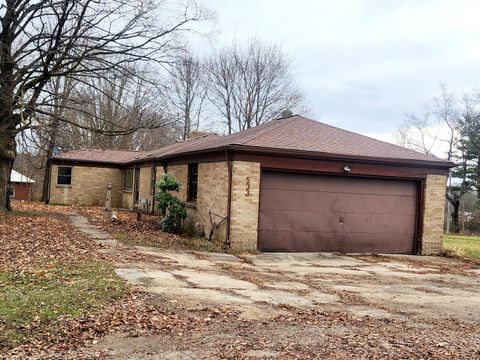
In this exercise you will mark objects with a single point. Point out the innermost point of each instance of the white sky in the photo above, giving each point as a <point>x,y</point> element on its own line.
<point>364,63</point>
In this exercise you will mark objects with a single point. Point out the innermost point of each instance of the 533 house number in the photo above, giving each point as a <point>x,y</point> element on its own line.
<point>247,186</point>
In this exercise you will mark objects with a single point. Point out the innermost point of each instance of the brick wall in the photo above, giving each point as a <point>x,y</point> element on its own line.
<point>245,205</point>
<point>89,186</point>
<point>212,195</point>
<point>158,177</point>
<point>158,174</point>
<point>434,208</point>
<point>127,199</point>
<point>180,173</point>
<point>145,186</point>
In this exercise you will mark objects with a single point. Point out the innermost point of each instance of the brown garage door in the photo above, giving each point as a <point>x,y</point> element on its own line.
<point>304,212</point>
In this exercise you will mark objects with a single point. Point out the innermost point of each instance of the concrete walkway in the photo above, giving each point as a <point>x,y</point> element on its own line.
<point>99,235</point>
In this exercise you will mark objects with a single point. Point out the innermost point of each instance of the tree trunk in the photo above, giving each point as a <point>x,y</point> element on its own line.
<point>46,181</point>
<point>455,211</point>
<point>5,170</point>
<point>7,157</point>
<point>46,174</point>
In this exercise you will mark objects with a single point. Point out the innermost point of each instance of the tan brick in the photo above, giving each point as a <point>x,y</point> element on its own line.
<point>212,195</point>
<point>145,185</point>
<point>89,186</point>
<point>244,210</point>
<point>433,215</point>
<point>180,173</point>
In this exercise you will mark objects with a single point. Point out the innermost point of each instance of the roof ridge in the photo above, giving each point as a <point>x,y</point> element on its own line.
<point>369,137</point>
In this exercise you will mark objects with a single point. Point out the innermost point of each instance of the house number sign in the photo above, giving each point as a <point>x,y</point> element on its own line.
<point>247,186</point>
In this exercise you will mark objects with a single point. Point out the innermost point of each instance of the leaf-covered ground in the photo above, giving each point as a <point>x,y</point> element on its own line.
<point>60,299</point>
<point>146,232</point>
<point>58,290</point>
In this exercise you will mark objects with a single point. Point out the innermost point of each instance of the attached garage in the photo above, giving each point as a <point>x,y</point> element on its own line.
<point>308,212</point>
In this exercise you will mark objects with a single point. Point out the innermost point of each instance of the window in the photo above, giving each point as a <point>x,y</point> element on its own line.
<point>128,180</point>
<point>11,190</point>
<point>192,182</point>
<point>64,176</point>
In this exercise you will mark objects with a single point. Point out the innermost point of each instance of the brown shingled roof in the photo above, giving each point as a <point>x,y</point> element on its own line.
<point>294,135</point>
<point>299,134</point>
<point>99,155</point>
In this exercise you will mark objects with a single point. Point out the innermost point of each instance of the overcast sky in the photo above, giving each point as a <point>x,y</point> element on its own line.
<point>364,63</point>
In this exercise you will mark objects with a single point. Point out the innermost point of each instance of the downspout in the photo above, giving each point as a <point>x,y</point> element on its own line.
<point>229,196</point>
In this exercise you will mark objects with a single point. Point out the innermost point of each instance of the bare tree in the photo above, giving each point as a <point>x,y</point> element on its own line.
<point>78,39</point>
<point>186,93</point>
<point>252,83</point>
<point>439,127</point>
<point>112,101</point>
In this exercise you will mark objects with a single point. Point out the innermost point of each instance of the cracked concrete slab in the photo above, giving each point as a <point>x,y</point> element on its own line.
<point>340,283</point>
<point>150,277</point>
<point>214,280</point>
<point>179,258</point>
<point>305,259</point>
<point>198,297</point>
<point>276,297</point>
<point>287,285</point>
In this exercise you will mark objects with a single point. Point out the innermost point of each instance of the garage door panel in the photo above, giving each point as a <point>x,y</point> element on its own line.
<point>304,241</point>
<point>304,212</point>
<point>320,241</point>
<point>336,222</point>
<point>309,182</point>
<point>312,201</point>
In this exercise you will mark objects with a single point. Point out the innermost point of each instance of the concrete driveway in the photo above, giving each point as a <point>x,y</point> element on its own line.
<point>269,284</point>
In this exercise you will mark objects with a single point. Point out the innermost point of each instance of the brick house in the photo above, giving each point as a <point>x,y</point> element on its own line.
<point>292,184</point>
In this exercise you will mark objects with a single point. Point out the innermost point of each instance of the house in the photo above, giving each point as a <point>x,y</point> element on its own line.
<point>292,184</point>
<point>20,186</point>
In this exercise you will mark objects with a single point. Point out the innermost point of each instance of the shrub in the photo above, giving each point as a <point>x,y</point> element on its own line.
<point>174,209</point>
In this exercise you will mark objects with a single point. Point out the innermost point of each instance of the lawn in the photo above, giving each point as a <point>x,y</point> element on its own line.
<point>50,273</point>
<point>463,245</point>
<point>33,303</point>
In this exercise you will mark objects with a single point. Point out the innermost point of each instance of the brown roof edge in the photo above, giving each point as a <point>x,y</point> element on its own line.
<point>55,161</point>
<point>318,155</point>
<point>271,151</point>
<point>310,154</point>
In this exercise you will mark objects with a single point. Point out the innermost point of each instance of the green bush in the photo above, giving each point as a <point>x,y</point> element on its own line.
<point>174,209</point>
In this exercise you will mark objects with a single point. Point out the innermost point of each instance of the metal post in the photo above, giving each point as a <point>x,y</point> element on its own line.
<point>107,212</point>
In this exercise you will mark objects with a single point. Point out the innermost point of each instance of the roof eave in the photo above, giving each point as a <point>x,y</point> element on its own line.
<point>83,161</point>
<point>276,152</point>
<point>342,157</point>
